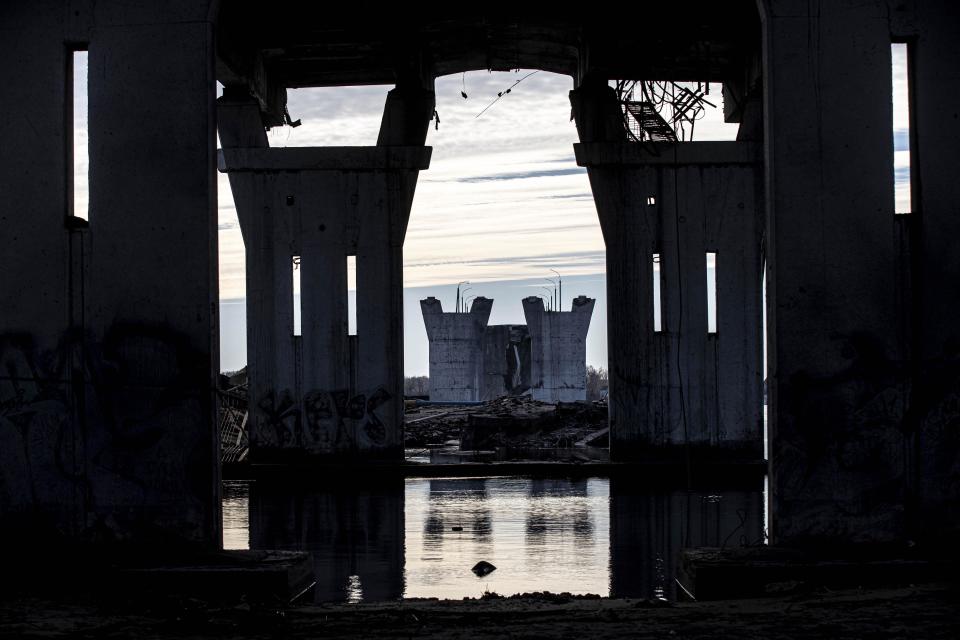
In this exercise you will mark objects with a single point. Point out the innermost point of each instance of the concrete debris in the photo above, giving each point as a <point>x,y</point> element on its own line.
<point>232,395</point>
<point>512,421</point>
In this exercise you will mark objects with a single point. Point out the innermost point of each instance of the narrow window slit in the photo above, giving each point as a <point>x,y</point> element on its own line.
<point>352,295</point>
<point>657,306</point>
<point>79,150</point>
<point>900,67</point>
<point>297,307</point>
<point>711,292</point>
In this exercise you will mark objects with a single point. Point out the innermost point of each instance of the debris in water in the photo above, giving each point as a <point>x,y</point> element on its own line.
<point>483,568</point>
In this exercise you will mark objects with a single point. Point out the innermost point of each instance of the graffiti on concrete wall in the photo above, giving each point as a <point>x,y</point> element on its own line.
<point>325,421</point>
<point>86,423</point>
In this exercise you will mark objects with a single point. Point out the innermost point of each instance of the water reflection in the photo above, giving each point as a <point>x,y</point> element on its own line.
<point>457,505</point>
<point>649,528</point>
<point>541,535</point>
<point>384,539</point>
<point>354,531</point>
<point>236,514</point>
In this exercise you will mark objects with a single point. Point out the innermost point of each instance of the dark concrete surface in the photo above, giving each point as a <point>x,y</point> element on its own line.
<point>917,611</point>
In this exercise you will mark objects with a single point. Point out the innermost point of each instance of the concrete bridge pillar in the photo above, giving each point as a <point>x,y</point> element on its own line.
<point>677,385</point>
<point>108,328</point>
<point>325,392</point>
<point>456,349</point>
<point>558,349</point>
<point>863,339</point>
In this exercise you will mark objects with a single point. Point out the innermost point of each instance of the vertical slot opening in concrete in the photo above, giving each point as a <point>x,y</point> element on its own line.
<point>711,292</point>
<point>901,127</point>
<point>296,268</point>
<point>765,392</point>
<point>79,149</point>
<point>657,307</point>
<point>352,295</point>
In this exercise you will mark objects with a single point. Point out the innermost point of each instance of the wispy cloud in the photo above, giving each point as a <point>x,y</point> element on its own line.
<point>518,175</point>
<point>503,198</point>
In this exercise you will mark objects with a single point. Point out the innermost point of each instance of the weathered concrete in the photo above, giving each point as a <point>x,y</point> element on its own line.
<point>506,361</point>
<point>843,449</point>
<point>934,413</point>
<point>456,349</point>
<point>558,349</point>
<point>682,388</point>
<point>324,392</point>
<point>108,337</point>
<point>304,397</point>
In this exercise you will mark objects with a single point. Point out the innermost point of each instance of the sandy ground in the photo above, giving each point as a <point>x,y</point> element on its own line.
<point>925,611</point>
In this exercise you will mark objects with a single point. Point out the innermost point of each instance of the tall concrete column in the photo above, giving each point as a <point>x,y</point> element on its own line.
<point>844,420</point>
<point>934,411</point>
<point>558,349</point>
<point>110,354</point>
<point>324,392</point>
<point>456,349</point>
<point>682,393</point>
<point>323,204</point>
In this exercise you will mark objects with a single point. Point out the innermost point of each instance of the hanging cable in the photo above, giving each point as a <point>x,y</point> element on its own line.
<point>503,93</point>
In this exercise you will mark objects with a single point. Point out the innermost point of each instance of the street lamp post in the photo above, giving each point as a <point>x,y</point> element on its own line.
<point>457,305</point>
<point>560,298</point>
<point>551,293</point>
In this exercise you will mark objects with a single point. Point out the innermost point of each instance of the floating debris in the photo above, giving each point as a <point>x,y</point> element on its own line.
<point>483,568</point>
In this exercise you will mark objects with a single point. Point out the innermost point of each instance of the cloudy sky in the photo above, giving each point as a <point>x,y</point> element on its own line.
<point>502,204</point>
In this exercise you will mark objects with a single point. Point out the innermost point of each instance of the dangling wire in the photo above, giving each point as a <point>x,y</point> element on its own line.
<point>463,85</point>
<point>503,93</point>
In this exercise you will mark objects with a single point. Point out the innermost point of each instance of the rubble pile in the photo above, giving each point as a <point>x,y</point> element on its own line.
<point>509,421</point>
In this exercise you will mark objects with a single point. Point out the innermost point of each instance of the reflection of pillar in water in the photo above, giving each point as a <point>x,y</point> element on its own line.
<point>457,503</point>
<point>650,527</point>
<point>558,487</point>
<point>557,507</point>
<point>353,529</point>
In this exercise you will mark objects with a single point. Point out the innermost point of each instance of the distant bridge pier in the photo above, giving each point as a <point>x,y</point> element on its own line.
<point>558,349</point>
<point>456,349</point>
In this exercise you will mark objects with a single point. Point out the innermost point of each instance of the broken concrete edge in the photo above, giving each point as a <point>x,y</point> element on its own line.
<point>324,159</point>
<point>134,573</point>
<point>716,476</point>
<point>766,571</point>
<point>255,576</point>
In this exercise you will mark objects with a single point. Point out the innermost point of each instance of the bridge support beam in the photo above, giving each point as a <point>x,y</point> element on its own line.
<point>558,349</point>
<point>456,349</point>
<point>682,392</point>
<point>325,392</point>
<point>863,339</point>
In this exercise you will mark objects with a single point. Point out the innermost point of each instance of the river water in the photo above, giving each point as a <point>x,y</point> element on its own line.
<point>415,537</point>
